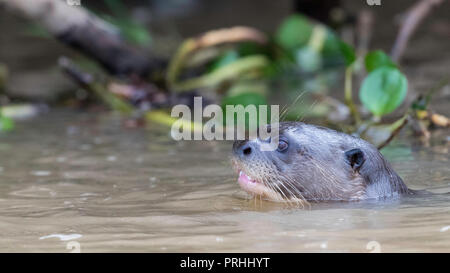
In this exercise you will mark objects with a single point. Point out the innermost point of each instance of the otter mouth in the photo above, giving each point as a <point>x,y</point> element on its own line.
<point>257,188</point>
<point>246,182</point>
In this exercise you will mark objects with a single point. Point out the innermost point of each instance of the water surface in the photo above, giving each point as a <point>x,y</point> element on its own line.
<point>74,181</point>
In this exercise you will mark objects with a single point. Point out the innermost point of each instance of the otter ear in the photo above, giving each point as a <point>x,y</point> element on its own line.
<point>355,158</point>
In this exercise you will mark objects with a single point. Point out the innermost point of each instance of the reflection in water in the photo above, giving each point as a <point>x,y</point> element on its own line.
<point>137,190</point>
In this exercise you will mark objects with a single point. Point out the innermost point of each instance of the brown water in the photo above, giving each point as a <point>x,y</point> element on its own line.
<point>73,181</point>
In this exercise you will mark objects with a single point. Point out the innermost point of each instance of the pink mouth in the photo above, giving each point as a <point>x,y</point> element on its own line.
<point>244,179</point>
<point>254,187</point>
<point>258,188</point>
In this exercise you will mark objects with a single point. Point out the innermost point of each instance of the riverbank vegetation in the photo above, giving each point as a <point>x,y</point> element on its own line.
<point>312,69</point>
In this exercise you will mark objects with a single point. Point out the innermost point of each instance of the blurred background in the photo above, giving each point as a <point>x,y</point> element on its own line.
<point>30,55</point>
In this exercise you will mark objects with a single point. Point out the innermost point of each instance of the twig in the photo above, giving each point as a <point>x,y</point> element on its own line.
<point>87,81</point>
<point>413,18</point>
<point>396,128</point>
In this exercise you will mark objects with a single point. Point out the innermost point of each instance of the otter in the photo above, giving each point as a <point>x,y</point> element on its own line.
<point>314,163</point>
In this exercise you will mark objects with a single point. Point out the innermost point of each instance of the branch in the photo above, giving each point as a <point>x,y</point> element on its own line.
<point>87,81</point>
<point>396,127</point>
<point>82,30</point>
<point>413,18</point>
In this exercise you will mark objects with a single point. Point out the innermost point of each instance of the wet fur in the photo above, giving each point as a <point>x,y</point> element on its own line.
<point>315,167</point>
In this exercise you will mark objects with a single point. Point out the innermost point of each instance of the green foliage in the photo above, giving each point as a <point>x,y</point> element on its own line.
<point>223,60</point>
<point>383,90</point>
<point>376,59</point>
<point>294,32</point>
<point>348,52</point>
<point>310,49</point>
<point>245,99</point>
<point>301,51</point>
<point>131,30</point>
<point>308,59</point>
<point>35,30</point>
<point>6,124</point>
<point>251,48</point>
<point>331,51</point>
<point>117,8</point>
<point>420,104</point>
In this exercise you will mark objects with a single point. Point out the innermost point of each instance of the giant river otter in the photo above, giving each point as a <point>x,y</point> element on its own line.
<point>314,163</point>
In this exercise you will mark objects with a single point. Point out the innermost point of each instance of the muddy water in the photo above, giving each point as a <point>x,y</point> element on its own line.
<point>75,182</point>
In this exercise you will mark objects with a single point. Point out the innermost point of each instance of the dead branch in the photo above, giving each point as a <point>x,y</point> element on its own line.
<point>88,82</point>
<point>82,30</point>
<point>398,127</point>
<point>364,30</point>
<point>413,18</point>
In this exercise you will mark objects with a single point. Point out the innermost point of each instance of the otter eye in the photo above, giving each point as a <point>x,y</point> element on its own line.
<point>282,145</point>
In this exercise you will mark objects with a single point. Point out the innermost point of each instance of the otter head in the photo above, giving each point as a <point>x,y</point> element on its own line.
<point>314,163</point>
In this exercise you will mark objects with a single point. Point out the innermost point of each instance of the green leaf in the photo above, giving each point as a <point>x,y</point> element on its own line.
<point>225,59</point>
<point>257,86</point>
<point>131,30</point>
<point>383,90</point>
<point>376,59</point>
<point>117,7</point>
<point>348,52</point>
<point>247,98</point>
<point>332,53</point>
<point>294,32</point>
<point>331,45</point>
<point>250,66</point>
<point>6,124</point>
<point>252,48</point>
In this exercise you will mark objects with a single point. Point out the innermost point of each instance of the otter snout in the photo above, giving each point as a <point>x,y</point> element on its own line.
<point>244,148</point>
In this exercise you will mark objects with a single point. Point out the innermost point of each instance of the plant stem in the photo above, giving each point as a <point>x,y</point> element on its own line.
<point>348,95</point>
<point>228,72</point>
<point>395,129</point>
<point>318,38</point>
<point>110,99</point>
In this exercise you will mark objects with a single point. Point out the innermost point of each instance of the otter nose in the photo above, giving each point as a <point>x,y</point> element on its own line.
<point>246,149</point>
<point>243,148</point>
